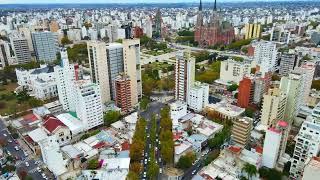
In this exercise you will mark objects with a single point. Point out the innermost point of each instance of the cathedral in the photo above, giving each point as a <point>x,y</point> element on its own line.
<point>215,32</point>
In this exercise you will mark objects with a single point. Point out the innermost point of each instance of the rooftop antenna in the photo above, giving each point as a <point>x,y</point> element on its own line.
<point>215,5</point>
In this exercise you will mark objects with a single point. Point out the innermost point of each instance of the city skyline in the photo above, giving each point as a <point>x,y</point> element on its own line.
<point>135,2</point>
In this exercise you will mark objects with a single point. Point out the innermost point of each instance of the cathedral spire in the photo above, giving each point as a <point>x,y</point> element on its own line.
<point>215,5</point>
<point>200,6</point>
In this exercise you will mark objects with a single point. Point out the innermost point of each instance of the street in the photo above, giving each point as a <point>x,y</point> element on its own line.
<point>24,160</point>
<point>154,108</point>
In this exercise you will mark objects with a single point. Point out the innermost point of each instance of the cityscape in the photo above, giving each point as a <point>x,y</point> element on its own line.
<point>160,90</point>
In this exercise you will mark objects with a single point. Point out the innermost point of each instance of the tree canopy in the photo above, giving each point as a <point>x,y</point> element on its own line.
<point>111,117</point>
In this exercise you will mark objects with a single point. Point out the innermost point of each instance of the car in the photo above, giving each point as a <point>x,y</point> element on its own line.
<point>25,153</point>
<point>27,164</point>
<point>44,176</point>
<point>159,159</point>
<point>16,148</point>
<point>39,169</point>
<point>194,172</point>
<point>8,152</point>
<point>5,135</point>
<point>148,136</point>
<point>10,141</point>
<point>160,170</point>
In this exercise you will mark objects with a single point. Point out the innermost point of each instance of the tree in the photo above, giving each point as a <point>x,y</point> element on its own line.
<point>65,40</point>
<point>315,84</point>
<point>23,96</point>
<point>93,164</point>
<point>3,142</point>
<point>201,56</point>
<point>250,169</point>
<point>232,87</point>
<point>33,102</point>
<point>249,112</point>
<point>22,173</point>
<point>153,169</point>
<point>111,117</point>
<point>136,167</point>
<point>132,176</point>
<point>269,174</point>
<point>186,161</point>
<point>275,77</point>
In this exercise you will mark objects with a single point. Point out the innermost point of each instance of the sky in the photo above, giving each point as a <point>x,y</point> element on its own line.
<point>119,1</point>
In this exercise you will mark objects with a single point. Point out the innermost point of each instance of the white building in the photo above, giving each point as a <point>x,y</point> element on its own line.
<point>178,109</point>
<point>307,146</point>
<point>198,97</point>
<point>79,96</point>
<point>45,46</point>
<point>308,69</point>
<point>184,75</point>
<point>88,103</point>
<point>40,82</point>
<point>265,55</point>
<point>6,58</point>
<point>52,156</point>
<point>312,169</point>
<point>234,71</point>
<point>271,147</point>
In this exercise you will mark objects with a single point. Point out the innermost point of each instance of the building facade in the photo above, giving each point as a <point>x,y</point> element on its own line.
<point>246,92</point>
<point>265,55</point>
<point>184,75</point>
<point>234,71</point>
<point>132,68</point>
<point>241,131</point>
<point>123,93</point>
<point>21,50</point>
<point>252,30</point>
<point>45,46</point>
<point>215,32</point>
<point>198,97</point>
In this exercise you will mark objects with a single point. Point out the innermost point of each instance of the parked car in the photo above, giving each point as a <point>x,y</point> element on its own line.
<point>27,164</point>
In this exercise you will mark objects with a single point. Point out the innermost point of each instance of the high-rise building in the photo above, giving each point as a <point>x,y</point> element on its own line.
<point>215,32</point>
<point>5,54</point>
<point>292,86</point>
<point>246,92</point>
<point>281,35</point>
<point>80,96</point>
<point>45,45</point>
<point>241,131</point>
<point>234,71</point>
<point>115,64</point>
<point>158,25</point>
<point>123,93</point>
<point>287,63</point>
<point>26,33</point>
<point>307,146</point>
<point>252,30</point>
<point>65,78</point>
<point>132,68</point>
<point>308,69</point>
<point>88,103</point>
<point>265,55</point>
<point>273,107</point>
<point>312,169</point>
<point>21,50</point>
<point>184,75</point>
<point>271,147</point>
<point>99,72</point>
<point>54,26</point>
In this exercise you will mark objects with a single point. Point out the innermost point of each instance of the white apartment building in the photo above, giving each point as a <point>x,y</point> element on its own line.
<point>265,55</point>
<point>308,69</point>
<point>271,147</point>
<point>40,82</point>
<point>65,78</point>
<point>88,103</point>
<point>184,75</point>
<point>74,34</point>
<point>132,68</point>
<point>198,97</point>
<point>307,146</point>
<point>312,169</point>
<point>234,71</point>
<point>80,96</point>
<point>273,107</point>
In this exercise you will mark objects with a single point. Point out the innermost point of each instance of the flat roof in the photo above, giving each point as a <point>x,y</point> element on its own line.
<point>74,124</point>
<point>38,135</point>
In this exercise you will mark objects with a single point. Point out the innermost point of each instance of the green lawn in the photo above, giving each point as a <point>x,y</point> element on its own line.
<point>8,101</point>
<point>159,52</point>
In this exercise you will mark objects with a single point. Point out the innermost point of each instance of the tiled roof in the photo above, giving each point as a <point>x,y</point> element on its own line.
<point>51,123</point>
